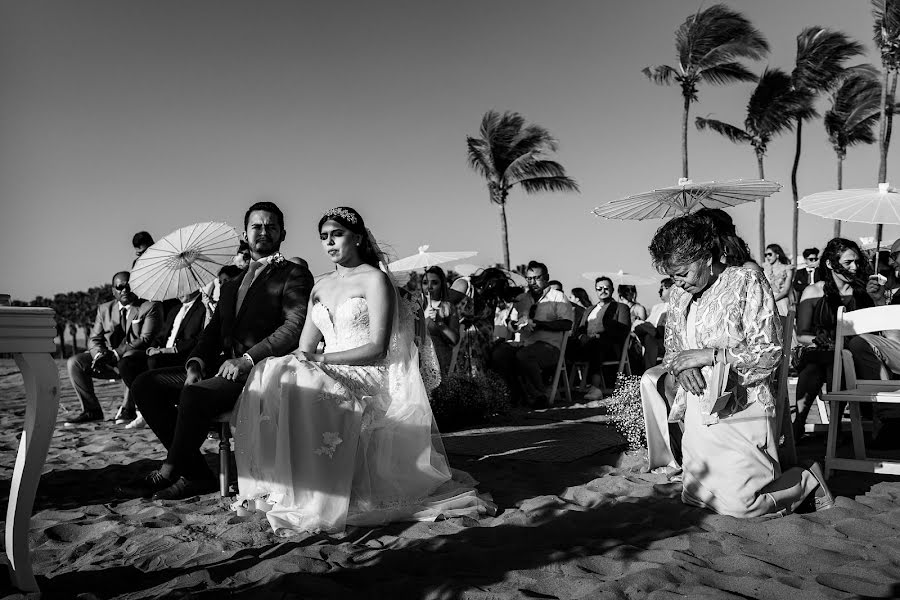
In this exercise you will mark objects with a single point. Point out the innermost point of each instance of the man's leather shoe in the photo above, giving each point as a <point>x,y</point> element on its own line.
<point>85,417</point>
<point>145,486</point>
<point>185,488</point>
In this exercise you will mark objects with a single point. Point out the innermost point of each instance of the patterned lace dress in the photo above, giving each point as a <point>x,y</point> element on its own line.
<point>321,446</point>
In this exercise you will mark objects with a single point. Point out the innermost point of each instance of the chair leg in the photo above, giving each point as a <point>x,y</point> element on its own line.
<point>566,383</point>
<point>224,457</point>
<point>859,445</point>
<point>831,444</point>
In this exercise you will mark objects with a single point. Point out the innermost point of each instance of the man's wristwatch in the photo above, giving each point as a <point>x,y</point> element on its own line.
<point>248,357</point>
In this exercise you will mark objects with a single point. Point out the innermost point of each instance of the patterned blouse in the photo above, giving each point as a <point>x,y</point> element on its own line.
<point>737,313</point>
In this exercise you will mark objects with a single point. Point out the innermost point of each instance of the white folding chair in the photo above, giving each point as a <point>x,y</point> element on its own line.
<point>623,364</point>
<point>855,391</point>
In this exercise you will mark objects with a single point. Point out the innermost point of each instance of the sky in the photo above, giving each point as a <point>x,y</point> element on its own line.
<point>117,117</point>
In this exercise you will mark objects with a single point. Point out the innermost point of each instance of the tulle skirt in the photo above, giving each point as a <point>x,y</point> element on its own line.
<point>319,447</point>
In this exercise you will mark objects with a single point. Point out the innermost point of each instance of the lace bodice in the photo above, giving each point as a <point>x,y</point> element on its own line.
<point>347,328</point>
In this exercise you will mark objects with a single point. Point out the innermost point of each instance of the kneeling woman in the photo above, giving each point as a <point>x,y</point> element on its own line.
<point>346,437</point>
<point>720,314</point>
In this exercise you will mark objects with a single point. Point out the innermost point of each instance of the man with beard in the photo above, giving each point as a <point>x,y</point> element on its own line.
<point>541,316</point>
<point>258,315</point>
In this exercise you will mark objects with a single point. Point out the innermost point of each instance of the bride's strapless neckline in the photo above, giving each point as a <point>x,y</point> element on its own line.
<point>331,312</point>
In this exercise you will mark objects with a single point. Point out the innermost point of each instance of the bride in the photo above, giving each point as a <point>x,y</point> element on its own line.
<point>346,437</point>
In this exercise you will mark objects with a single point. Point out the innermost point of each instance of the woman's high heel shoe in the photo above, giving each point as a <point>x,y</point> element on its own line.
<point>821,495</point>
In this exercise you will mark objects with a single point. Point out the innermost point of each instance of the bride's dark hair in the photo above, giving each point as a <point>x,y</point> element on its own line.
<point>353,221</point>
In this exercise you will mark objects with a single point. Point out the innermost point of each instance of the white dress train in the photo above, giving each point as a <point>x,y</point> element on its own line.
<point>322,446</point>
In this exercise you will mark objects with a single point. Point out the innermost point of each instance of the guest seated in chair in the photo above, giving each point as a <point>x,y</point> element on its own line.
<point>123,329</point>
<point>258,316</point>
<point>844,282</point>
<point>601,337</point>
<point>542,316</point>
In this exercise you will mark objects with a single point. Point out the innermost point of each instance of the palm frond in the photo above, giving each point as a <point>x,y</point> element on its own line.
<point>774,106</point>
<point>717,34</point>
<point>478,156</point>
<point>733,133</point>
<point>549,184</point>
<point>661,74</point>
<point>821,53</point>
<point>727,73</point>
<point>532,167</point>
<point>855,108</point>
<point>886,31</point>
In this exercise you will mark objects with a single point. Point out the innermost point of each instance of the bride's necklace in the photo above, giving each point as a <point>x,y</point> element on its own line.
<point>348,270</point>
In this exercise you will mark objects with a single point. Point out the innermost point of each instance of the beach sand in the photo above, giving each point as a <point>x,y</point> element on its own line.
<point>593,527</point>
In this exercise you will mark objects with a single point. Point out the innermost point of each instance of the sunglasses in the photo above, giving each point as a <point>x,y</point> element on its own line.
<point>770,254</point>
<point>603,289</point>
<point>122,287</point>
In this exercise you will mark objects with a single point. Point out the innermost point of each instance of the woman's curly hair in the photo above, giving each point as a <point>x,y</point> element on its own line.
<point>683,240</point>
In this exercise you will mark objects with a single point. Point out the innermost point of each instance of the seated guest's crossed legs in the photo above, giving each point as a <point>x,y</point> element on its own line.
<point>164,361</point>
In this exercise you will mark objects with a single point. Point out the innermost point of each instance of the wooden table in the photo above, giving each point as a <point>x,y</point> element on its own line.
<point>28,334</point>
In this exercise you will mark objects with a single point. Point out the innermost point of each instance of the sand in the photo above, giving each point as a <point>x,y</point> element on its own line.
<point>588,527</point>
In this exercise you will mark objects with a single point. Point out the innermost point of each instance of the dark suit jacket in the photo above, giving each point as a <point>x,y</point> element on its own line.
<point>143,324</point>
<point>616,321</point>
<point>801,279</point>
<point>268,323</point>
<point>189,330</point>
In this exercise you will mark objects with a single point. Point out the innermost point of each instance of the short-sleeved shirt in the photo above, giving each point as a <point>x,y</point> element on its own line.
<point>551,306</point>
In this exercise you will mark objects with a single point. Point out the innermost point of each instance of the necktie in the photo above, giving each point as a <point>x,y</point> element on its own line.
<point>246,283</point>
<point>119,334</point>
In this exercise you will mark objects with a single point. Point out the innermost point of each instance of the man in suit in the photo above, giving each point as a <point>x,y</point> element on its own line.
<point>123,329</point>
<point>804,277</point>
<point>602,335</point>
<point>543,316</point>
<point>258,315</point>
<point>170,348</point>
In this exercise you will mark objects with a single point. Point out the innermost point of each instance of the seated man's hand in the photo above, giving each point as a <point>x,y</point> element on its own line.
<point>153,351</point>
<point>235,369</point>
<point>194,373</point>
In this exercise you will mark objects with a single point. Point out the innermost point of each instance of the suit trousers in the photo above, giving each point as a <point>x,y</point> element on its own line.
<point>180,415</point>
<point>79,368</point>
<point>522,367</point>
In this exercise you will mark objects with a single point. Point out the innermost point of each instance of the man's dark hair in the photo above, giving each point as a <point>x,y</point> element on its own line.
<point>605,278</point>
<point>555,282</point>
<point>269,207</point>
<point>141,238</point>
<point>666,282</point>
<point>126,274</point>
<point>533,264</point>
<point>809,252</point>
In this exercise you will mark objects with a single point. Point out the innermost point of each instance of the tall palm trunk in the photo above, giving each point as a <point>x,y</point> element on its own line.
<point>504,235</point>
<point>840,186</point>
<point>884,140</point>
<point>796,211</point>
<point>684,132</point>
<point>762,209</point>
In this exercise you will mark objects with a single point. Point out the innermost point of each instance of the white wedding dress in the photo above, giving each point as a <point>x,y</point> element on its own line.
<point>321,446</point>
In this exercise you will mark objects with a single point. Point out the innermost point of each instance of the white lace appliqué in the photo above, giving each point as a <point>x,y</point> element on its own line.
<point>330,440</point>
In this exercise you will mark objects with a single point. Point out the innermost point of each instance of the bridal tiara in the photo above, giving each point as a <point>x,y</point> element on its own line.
<point>343,213</point>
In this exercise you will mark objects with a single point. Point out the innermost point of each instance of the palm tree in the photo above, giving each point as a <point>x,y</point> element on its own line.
<point>887,39</point>
<point>821,53</point>
<point>510,152</point>
<point>772,110</point>
<point>708,44</point>
<point>855,109</point>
